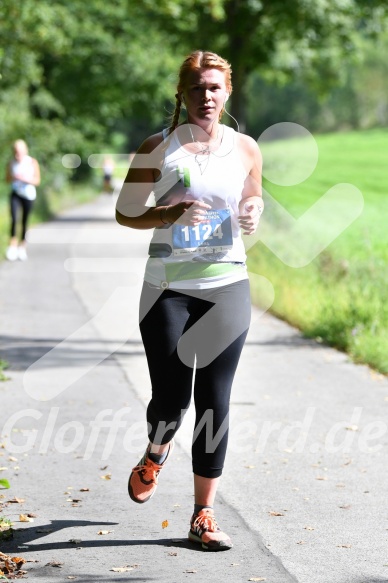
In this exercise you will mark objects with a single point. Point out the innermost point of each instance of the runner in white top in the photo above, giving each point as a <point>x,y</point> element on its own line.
<point>206,182</point>
<point>24,174</point>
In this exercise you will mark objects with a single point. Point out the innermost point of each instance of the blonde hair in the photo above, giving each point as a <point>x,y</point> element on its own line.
<point>194,62</point>
<point>20,143</point>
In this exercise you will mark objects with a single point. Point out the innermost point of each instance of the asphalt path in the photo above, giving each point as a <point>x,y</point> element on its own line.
<point>303,495</point>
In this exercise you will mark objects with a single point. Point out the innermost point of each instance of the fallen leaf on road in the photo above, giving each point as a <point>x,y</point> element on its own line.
<point>54,564</point>
<point>301,542</point>
<point>105,531</point>
<point>16,500</point>
<point>25,518</point>
<point>345,546</point>
<point>10,566</point>
<point>321,478</point>
<point>12,459</point>
<point>172,554</point>
<point>84,490</point>
<point>106,477</point>
<point>31,515</point>
<point>18,560</point>
<point>104,468</point>
<point>346,506</point>
<point>165,524</point>
<point>273,513</point>
<point>3,468</point>
<point>121,569</point>
<point>352,427</point>
<point>249,467</point>
<point>75,500</point>
<point>190,571</point>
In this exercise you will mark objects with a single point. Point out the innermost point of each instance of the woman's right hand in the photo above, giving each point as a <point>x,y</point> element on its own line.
<point>187,213</point>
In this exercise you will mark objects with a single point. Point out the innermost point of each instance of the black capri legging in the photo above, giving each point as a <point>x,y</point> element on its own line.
<point>186,331</point>
<point>16,202</point>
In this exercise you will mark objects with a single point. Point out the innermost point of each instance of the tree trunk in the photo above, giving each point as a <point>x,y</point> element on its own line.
<point>238,37</point>
<point>238,97</point>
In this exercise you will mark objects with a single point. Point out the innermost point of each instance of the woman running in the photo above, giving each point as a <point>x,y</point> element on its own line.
<point>195,302</point>
<point>24,174</point>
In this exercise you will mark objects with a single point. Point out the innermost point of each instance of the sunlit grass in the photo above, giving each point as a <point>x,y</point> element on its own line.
<point>340,297</point>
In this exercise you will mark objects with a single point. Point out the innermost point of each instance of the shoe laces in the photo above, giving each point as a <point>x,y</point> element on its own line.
<point>206,522</point>
<point>149,470</point>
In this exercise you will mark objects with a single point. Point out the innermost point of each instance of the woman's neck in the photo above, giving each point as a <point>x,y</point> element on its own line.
<point>210,130</point>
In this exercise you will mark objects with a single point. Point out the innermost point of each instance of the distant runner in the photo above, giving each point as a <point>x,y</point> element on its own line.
<point>24,174</point>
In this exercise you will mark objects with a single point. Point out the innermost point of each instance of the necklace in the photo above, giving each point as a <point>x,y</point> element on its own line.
<point>203,156</point>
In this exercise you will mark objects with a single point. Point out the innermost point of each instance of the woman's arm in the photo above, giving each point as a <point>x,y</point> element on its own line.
<point>36,178</point>
<point>131,209</point>
<point>251,205</point>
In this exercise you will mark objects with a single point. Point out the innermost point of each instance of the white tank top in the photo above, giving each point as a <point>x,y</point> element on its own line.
<point>26,168</point>
<point>211,254</point>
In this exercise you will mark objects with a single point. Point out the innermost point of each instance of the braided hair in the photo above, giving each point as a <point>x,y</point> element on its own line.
<point>176,114</point>
<point>195,61</point>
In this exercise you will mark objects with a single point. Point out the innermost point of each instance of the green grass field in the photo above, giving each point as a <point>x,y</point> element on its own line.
<point>339,297</point>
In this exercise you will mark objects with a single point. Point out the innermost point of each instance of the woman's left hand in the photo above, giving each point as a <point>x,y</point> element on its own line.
<point>250,215</point>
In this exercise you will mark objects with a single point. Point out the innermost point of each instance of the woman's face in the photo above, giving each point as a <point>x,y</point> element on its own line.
<point>19,151</point>
<point>205,94</point>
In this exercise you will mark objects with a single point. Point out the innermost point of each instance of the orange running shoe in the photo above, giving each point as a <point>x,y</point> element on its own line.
<point>144,477</point>
<point>204,530</point>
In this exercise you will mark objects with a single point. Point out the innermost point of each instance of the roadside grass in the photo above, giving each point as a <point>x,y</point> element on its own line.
<point>340,297</point>
<point>3,365</point>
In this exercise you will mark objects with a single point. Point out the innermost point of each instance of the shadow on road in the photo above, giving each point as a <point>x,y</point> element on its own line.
<point>22,352</point>
<point>27,537</point>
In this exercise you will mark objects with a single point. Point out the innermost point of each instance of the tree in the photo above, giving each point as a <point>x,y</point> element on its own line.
<point>71,71</point>
<point>252,34</point>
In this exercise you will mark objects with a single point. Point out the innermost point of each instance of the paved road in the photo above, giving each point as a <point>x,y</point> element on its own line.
<point>304,490</point>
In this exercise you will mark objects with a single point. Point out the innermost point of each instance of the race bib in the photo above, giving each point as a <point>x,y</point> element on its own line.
<point>213,236</point>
